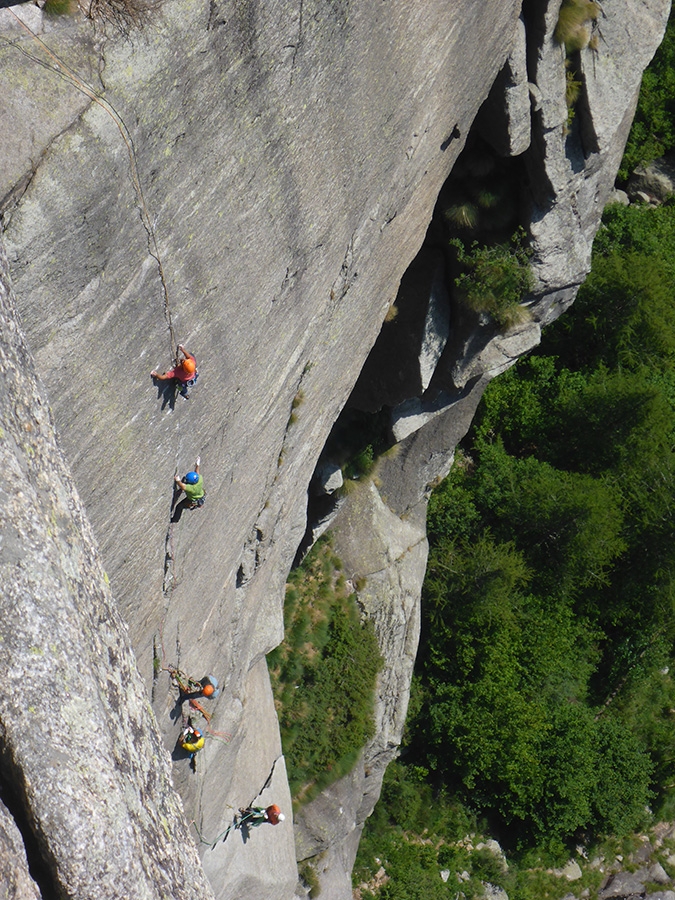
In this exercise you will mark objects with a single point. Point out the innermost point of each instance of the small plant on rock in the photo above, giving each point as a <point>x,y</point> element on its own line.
<point>495,279</point>
<point>573,86</point>
<point>575,24</point>
<point>124,16</point>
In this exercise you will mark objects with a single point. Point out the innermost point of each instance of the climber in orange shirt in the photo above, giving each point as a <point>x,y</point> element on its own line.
<point>184,373</point>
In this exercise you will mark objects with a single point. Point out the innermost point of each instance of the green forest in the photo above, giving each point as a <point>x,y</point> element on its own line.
<point>543,705</point>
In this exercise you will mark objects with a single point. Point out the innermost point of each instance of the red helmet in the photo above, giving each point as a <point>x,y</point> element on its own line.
<point>274,814</point>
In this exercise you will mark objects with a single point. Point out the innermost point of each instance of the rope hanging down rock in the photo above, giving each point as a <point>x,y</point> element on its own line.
<point>63,69</point>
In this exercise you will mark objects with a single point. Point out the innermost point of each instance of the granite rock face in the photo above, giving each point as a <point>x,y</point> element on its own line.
<point>84,772</point>
<point>285,161</point>
<point>16,882</point>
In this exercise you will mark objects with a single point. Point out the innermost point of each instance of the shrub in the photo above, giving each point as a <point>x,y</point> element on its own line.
<point>495,279</point>
<point>309,876</point>
<point>652,133</point>
<point>361,464</point>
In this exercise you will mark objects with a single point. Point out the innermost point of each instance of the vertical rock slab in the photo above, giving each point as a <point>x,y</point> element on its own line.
<point>16,882</point>
<point>80,753</point>
<point>387,555</point>
<point>572,161</point>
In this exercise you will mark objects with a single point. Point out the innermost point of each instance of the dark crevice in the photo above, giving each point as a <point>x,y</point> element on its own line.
<point>586,128</point>
<point>494,192</point>
<point>12,795</point>
<point>356,439</point>
<point>541,189</point>
<point>581,141</point>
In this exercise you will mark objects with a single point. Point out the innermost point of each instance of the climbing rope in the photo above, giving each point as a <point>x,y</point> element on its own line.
<point>63,69</point>
<point>185,684</point>
<point>223,834</point>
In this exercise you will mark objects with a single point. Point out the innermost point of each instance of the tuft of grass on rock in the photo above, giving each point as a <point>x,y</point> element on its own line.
<point>575,24</point>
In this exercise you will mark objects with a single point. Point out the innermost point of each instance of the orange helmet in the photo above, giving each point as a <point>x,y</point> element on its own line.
<point>207,690</point>
<point>188,365</point>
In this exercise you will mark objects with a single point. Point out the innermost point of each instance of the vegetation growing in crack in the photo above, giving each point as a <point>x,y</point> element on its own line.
<point>357,440</point>
<point>495,279</point>
<point>575,26</point>
<point>478,214</point>
<point>576,29</point>
<point>309,877</point>
<point>323,675</point>
<point>480,199</point>
<point>60,7</point>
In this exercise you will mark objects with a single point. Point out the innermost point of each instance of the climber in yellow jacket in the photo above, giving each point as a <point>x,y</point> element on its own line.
<point>191,739</point>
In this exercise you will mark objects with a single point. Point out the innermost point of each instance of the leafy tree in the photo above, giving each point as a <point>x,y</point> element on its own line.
<point>653,129</point>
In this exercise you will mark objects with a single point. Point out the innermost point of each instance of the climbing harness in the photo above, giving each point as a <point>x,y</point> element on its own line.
<point>249,817</point>
<point>191,738</point>
<point>182,388</point>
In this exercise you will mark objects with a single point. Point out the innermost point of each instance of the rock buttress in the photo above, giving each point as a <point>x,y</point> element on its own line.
<point>84,772</point>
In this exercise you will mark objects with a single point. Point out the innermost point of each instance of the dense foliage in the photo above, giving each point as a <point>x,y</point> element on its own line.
<point>544,698</point>
<point>495,279</point>
<point>653,130</point>
<point>323,675</point>
<point>543,708</point>
<point>549,593</point>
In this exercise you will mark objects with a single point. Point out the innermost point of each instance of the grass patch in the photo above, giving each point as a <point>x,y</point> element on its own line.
<point>310,879</point>
<point>60,7</point>
<point>323,675</point>
<point>575,24</point>
<point>361,465</point>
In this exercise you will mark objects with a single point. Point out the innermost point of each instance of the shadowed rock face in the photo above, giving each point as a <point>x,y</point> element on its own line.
<point>290,156</point>
<point>15,878</point>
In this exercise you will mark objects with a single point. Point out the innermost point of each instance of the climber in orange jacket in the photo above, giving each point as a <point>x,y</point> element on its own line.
<point>184,373</point>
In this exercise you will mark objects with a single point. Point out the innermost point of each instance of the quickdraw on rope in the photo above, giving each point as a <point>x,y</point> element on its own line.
<point>63,69</point>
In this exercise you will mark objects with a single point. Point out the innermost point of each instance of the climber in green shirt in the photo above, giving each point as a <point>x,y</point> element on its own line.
<point>195,495</point>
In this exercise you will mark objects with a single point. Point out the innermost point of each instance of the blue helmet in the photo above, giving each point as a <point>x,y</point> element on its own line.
<point>191,478</point>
